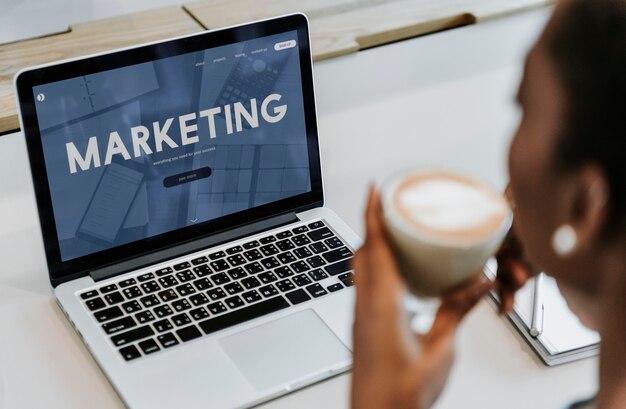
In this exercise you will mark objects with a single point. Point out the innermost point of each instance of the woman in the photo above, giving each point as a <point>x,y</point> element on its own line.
<point>567,167</point>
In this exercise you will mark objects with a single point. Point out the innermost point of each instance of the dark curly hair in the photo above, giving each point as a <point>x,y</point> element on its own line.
<point>588,50</point>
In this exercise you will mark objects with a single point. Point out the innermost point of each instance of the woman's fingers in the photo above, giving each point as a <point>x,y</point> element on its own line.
<point>456,305</point>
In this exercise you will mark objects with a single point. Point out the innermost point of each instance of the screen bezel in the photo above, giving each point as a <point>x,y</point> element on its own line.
<point>62,271</point>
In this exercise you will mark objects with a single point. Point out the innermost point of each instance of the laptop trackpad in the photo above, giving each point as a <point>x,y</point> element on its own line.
<point>285,350</point>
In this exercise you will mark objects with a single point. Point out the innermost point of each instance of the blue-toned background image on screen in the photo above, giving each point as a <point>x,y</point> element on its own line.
<point>127,200</point>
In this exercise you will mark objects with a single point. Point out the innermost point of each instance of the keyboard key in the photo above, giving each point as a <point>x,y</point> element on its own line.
<point>150,301</point>
<point>250,282</point>
<point>198,299</point>
<point>244,314</point>
<point>203,284</point>
<point>95,304</point>
<point>181,305</point>
<point>253,268</point>
<point>316,261</point>
<point>182,266</point>
<point>181,319</point>
<point>164,271</point>
<point>149,346</point>
<point>337,255</point>
<point>163,311</point>
<point>301,280</point>
<point>267,277</point>
<point>216,307</point>
<point>108,314</point>
<point>268,291</point>
<point>218,255</point>
<point>251,245</point>
<point>199,313</point>
<point>286,257</point>
<point>132,292</point>
<point>234,302</point>
<point>202,270</point>
<point>270,262</point>
<point>285,245</point>
<point>333,242</point>
<point>316,225</point>
<point>267,240</point>
<point>334,287</point>
<point>318,247</point>
<point>345,276</point>
<point>163,325</point>
<point>220,278</point>
<point>89,294</point>
<point>144,316</point>
<point>127,283</point>
<point>237,273</point>
<point>150,287</point>
<point>114,298</point>
<point>316,290</point>
<point>318,274</point>
<point>234,250</point>
<point>119,325</point>
<point>301,240</point>
<point>145,277</point>
<point>168,340</point>
<point>337,268</point>
<point>348,282</point>
<point>251,296</point>
<point>298,296</point>
<point>168,295</point>
<point>185,289</point>
<point>185,275</point>
<point>285,285</point>
<point>283,272</point>
<point>220,265</point>
<point>233,288</point>
<point>108,288</point>
<point>132,335</point>
<point>168,281</point>
<point>283,235</point>
<point>253,255</point>
<point>300,267</point>
<point>236,260</point>
<point>199,260</point>
<point>188,333</point>
<point>300,230</point>
<point>302,252</point>
<point>317,235</point>
<point>131,307</point>
<point>269,250</point>
<point>130,352</point>
<point>216,294</point>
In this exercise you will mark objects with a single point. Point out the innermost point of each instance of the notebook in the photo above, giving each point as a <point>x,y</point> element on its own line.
<point>563,339</point>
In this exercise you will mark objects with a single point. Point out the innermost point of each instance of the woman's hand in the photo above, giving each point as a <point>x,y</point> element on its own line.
<point>393,367</point>
<point>513,269</point>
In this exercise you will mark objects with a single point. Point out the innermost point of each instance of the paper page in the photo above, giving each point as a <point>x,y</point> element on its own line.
<point>562,331</point>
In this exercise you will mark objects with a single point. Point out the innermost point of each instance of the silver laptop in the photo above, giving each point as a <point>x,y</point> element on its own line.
<point>179,190</point>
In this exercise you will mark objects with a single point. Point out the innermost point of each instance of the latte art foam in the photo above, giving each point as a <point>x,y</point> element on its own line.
<point>450,206</point>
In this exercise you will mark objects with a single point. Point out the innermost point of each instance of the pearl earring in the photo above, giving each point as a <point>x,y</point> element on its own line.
<point>564,240</point>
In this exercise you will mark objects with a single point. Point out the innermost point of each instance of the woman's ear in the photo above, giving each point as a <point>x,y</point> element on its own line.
<point>589,212</point>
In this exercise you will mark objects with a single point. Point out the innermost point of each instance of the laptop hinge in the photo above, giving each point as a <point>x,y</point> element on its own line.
<point>199,244</point>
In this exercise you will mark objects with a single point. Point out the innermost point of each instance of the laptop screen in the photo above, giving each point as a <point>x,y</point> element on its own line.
<point>150,148</point>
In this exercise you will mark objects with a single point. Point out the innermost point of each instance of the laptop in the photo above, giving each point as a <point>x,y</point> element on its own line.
<point>180,197</point>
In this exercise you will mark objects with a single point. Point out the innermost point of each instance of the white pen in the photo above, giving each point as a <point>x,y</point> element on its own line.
<point>536,325</point>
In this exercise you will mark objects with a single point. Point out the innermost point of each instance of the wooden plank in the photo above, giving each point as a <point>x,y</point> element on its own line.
<point>343,26</point>
<point>83,39</point>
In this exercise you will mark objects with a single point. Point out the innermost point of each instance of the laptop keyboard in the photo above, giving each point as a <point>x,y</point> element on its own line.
<point>157,310</point>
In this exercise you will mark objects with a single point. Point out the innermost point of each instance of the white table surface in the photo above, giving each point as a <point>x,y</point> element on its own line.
<point>441,100</point>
